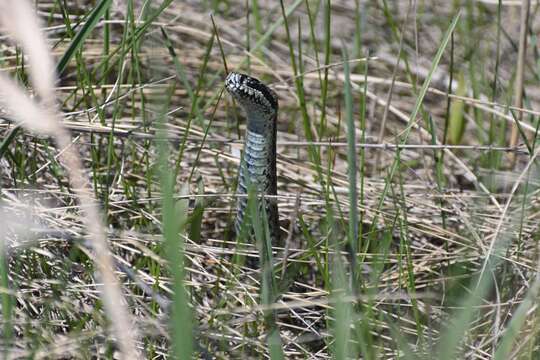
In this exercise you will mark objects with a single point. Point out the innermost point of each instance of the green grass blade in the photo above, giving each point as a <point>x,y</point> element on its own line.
<point>457,122</point>
<point>261,230</point>
<point>174,217</point>
<point>89,25</point>
<point>8,139</point>
<point>351,162</point>
<point>7,301</point>
<point>519,317</point>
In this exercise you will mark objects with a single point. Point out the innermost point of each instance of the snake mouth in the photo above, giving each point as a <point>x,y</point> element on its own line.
<point>246,88</point>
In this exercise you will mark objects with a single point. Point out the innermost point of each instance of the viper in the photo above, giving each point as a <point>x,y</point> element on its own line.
<point>258,165</point>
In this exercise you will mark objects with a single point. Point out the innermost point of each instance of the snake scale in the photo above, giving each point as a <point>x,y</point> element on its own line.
<point>258,165</point>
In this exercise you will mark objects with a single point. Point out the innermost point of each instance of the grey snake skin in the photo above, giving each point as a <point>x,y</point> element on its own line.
<point>258,165</point>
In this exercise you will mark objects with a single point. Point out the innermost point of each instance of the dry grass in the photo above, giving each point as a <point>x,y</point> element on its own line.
<point>442,221</point>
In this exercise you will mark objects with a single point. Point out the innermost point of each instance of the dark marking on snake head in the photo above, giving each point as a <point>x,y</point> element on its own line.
<point>245,87</point>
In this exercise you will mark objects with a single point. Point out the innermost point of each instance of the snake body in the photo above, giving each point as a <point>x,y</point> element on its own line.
<point>258,165</point>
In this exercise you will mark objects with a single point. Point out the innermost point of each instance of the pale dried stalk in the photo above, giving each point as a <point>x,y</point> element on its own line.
<point>18,17</point>
<point>111,294</point>
<point>44,118</point>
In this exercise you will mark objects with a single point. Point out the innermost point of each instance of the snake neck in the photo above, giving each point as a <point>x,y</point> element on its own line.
<point>258,169</point>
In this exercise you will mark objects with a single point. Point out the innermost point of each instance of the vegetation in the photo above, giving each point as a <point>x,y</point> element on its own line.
<point>410,218</point>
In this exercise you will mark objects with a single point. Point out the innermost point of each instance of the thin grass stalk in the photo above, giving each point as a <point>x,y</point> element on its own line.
<point>351,163</point>
<point>363,104</point>
<point>342,310</point>
<point>493,159</point>
<point>261,230</point>
<point>440,157</point>
<point>248,35</point>
<point>327,54</point>
<point>518,85</point>
<point>395,33</point>
<point>174,223</point>
<point>116,110</point>
<point>315,45</point>
<point>7,299</point>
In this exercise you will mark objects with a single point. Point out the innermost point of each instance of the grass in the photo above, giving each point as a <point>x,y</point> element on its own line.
<point>396,245</point>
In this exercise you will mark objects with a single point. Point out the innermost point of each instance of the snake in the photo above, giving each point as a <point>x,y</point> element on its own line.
<point>258,165</point>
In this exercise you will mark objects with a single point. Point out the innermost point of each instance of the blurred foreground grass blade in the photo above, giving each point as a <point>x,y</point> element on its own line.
<point>501,241</point>
<point>459,323</point>
<point>342,309</point>
<point>342,312</point>
<point>456,121</point>
<point>261,230</point>
<point>196,218</point>
<point>519,318</point>
<point>7,301</point>
<point>89,25</point>
<point>174,217</point>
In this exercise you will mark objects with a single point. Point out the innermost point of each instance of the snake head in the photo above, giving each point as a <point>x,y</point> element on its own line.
<point>257,99</point>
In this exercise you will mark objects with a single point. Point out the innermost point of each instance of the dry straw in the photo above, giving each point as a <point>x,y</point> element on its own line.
<point>19,20</point>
